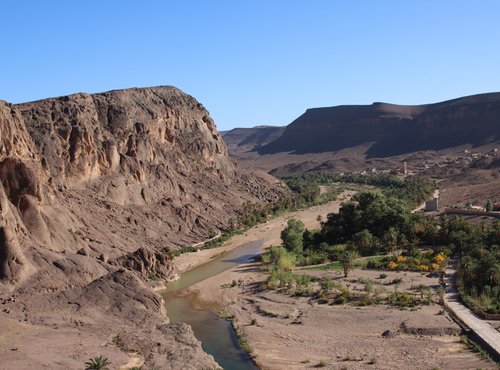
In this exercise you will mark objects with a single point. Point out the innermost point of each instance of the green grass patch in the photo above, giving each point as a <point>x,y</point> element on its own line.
<point>328,266</point>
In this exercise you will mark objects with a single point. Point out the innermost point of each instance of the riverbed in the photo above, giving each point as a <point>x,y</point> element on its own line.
<point>216,334</point>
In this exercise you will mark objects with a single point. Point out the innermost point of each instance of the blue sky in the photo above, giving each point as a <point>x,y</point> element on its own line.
<point>253,62</point>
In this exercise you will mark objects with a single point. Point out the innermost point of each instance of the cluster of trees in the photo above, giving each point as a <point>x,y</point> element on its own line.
<point>412,191</point>
<point>373,223</point>
<point>478,272</point>
<point>303,195</point>
<point>306,192</point>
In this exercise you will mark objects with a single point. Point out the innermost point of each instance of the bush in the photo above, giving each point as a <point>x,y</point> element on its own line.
<point>377,263</point>
<point>397,281</point>
<point>295,284</point>
<point>291,236</point>
<point>280,257</point>
<point>343,297</point>
<point>310,257</point>
<point>287,262</point>
<point>326,284</point>
<point>368,286</point>
<point>335,252</point>
<point>402,299</point>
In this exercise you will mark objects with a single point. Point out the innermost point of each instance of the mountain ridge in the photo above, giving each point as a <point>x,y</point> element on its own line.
<point>392,129</point>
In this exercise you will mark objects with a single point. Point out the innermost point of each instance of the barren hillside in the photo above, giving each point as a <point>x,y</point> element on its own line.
<point>94,190</point>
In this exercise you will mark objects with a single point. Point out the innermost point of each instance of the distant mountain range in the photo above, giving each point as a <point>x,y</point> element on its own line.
<point>384,129</point>
<point>240,140</point>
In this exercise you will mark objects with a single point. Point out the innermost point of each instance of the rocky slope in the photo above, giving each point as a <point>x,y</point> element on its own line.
<point>241,140</point>
<point>94,189</point>
<point>393,129</point>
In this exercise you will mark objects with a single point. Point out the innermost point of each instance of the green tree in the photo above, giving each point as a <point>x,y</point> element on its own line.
<point>363,242</point>
<point>97,363</point>
<point>426,228</point>
<point>390,239</point>
<point>291,236</point>
<point>347,261</point>
<point>370,210</point>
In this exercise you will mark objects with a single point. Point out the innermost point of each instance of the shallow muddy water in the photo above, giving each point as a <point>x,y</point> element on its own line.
<point>217,336</point>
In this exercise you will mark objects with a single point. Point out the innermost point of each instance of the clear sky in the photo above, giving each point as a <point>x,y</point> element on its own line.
<point>253,62</point>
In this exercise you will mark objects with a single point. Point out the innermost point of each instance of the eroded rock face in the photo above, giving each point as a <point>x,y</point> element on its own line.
<point>81,137</point>
<point>110,172</point>
<point>94,189</point>
<point>13,263</point>
<point>147,263</point>
<point>19,188</point>
<point>109,294</point>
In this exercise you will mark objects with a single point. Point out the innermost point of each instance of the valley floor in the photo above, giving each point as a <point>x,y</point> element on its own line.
<point>287,332</point>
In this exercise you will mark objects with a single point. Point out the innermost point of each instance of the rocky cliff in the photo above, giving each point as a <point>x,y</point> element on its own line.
<point>390,129</point>
<point>94,190</point>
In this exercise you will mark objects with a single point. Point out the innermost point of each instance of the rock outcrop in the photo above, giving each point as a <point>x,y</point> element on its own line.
<point>94,190</point>
<point>19,192</point>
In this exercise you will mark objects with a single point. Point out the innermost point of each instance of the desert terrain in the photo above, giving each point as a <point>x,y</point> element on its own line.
<point>95,191</point>
<point>98,191</point>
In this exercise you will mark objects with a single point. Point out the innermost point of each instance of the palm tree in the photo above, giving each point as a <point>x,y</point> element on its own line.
<point>97,363</point>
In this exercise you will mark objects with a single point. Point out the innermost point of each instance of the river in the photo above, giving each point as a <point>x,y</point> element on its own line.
<point>216,334</point>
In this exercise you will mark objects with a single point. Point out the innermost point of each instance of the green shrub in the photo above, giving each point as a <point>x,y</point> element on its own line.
<point>368,286</point>
<point>97,363</point>
<point>343,296</point>
<point>402,299</point>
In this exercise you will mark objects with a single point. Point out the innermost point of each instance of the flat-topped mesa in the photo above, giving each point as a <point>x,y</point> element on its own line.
<point>83,136</point>
<point>390,129</point>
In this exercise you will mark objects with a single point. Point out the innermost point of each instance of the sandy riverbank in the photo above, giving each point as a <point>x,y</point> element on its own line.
<point>294,333</point>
